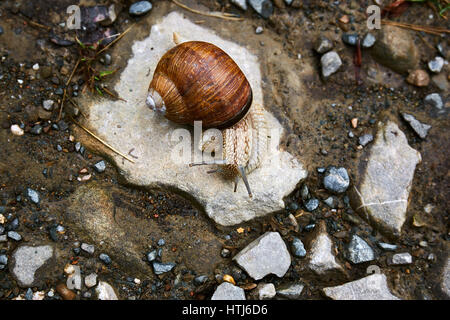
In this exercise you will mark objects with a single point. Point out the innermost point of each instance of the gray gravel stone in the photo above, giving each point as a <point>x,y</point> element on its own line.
<point>33,195</point>
<point>436,64</point>
<point>89,248</point>
<point>336,180</point>
<point>140,8</point>
<point>330,62</point>
<point>332,202</point>
<point>48,104</point>
<point>369,40</point>
<point>382,192</point>
<point>365,139</point>
<point>105,291</point>
<point>266,291</point>
<point>350,39</point>
<point>420,128</point>
<point>401,259</point>
<point>100,166</point>
<point>37,129</point>
<point>435,100</point>
<point>266,255</point>
<point>27,260</point>
<point>298,249</point>
<point>291,291</point>
<point>311,204</point>
<point>240,3</point>
<point>14,235</point>
<point>90,280</point>
<point>160,268</point>
<point>263,7</point>
<point>151,256</point>
<point>74,279</point>
<point>227,291</point>
<point>3,259</point>
<point>373,287</point>
<point>387,246</point>
<point>105,258</point>
<point>359,251</point>
<point>323,45</point>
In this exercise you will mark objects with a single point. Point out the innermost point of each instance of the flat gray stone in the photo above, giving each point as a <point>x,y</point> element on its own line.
<point>266,255</point>
<point>74,279</point>
<point>386,174</point>
<point>105,291</point>
<point>227,291</point>
<point>420,128</point>
<point>27,260</point>
<point>401,259</point>
<point>321,254</point>
<point>291,291</point>
<point>373,287</point>
<point>133,126</point>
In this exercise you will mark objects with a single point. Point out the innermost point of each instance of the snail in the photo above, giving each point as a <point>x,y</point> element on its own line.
<point>198,81</point>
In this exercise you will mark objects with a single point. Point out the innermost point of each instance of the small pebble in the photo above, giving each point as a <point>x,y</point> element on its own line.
<point>16,130</point>
<point>435,100</point>
<point>436,64</point>
<point>350,39</point>
<point>369,40</point>
<point>151,256</point>
<point>298,249</point>
<point>48,105</point>
<point>89,248</point>
<point>14,235</point>
<point>259,30</point>
<point>100,166</point>
<point>312,204</point>
<point>365,139</point>
<point>140,8</point>
<point>105,258</point>
<point>33,195</point>
<point>161,242</point>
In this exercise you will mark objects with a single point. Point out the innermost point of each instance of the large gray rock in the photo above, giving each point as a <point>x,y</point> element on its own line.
<point>321,255</point>
<point>266,255</point>
<point>132,127</point>
<point>395,49</point>
<point>26,262</point>
<point>227,291</point>
<point>373,287</point>
<point>381,194</point>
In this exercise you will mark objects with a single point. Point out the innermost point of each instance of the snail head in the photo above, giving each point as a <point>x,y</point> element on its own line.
<point>155,102</point>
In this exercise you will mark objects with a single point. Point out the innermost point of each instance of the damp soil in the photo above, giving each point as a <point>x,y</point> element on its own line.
<point>315,113</point>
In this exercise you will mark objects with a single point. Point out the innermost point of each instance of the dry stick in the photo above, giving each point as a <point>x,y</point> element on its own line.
<point>65,90</point>
<point>221,15</point>
<point>115,40</point>
<point>113,95</point>
<point>100,140</point>
<point>427,29</point>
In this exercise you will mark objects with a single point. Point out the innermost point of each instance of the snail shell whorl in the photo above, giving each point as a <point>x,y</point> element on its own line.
<point>198,81</point>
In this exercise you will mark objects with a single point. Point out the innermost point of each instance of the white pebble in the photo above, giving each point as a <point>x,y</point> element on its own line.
<point>16,130</point>
<point>36,67</point>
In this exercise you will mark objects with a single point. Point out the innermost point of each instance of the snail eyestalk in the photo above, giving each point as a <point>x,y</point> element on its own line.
<point>155,102</point>
<point>244,177</point>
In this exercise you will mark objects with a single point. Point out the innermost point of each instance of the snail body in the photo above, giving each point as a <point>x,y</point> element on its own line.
<point>197,81</point>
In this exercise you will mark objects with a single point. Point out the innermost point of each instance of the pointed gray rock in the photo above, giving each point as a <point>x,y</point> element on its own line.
<point>382,191</point>
<point>266,255</point>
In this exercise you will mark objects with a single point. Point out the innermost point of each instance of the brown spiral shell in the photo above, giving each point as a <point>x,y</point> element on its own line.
<point>198,81</point>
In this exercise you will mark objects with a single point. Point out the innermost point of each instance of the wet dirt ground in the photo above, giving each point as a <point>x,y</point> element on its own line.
<point>315,113</point>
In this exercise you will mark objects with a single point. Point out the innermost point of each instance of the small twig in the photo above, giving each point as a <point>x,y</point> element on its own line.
<point>103,142</point>
<point>427,29</point>
<point>65,89</point>
<point>33,23</point>
<point>113,95</point>
<point>115,40</point>
<point>221,15</point>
